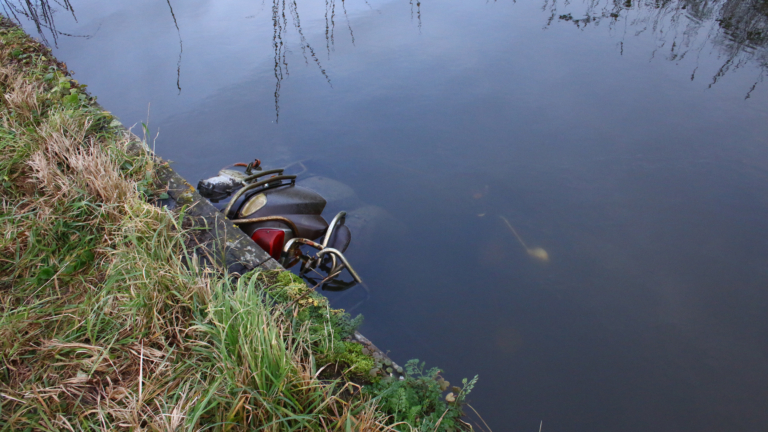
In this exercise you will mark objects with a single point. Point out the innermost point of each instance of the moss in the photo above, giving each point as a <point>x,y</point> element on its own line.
<point>288,287</point>
<point>349,355</point>
<point>287,278</point>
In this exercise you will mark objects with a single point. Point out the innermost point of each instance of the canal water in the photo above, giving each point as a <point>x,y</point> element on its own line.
<point>628,140</point>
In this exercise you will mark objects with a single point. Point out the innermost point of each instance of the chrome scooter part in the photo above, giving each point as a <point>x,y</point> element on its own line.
<point>331,227</point>
<point>311,263</point>
<point>343,259</point>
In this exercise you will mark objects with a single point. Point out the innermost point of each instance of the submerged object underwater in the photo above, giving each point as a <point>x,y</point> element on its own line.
<point>537,252</point>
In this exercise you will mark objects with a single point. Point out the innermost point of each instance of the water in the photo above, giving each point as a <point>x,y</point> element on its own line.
<point>631,147</point>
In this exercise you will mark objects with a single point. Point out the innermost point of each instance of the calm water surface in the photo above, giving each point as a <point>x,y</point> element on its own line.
<point>628,140</point>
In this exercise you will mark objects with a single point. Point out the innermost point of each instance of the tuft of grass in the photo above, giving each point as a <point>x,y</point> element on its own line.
<point>107,321</point>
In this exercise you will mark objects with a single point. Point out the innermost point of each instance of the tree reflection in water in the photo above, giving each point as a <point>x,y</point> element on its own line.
<point>738,28</point>
<point>40,13</point>
<point>280,26</point>
<point>181,47</point>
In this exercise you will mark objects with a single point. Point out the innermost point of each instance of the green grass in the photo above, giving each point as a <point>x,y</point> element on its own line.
<point>108,322</point>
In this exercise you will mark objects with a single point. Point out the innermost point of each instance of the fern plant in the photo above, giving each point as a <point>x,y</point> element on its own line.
<point>418,399</point>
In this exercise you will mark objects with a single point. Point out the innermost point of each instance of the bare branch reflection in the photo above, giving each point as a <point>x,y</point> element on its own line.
<point>418,11</point>
<point>737,28</point>
<point>181,48</point>
<point>280,27</point>
<point>41,14</point>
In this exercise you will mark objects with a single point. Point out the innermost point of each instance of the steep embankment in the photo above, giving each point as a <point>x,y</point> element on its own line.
<point>109,322</point>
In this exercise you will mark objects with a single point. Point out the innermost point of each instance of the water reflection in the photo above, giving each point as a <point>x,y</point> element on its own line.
<point>738,28</point>
<point>280,43</point>
<point>181,47</point>
<point>682,28</point>
<point>418,11</point>
<point>280,27</point>
<point>41,14</point>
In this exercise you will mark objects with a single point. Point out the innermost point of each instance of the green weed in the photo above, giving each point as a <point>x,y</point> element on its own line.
<point>418,399</point>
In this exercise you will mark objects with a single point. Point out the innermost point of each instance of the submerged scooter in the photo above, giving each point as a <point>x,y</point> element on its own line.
<point>281,217</point>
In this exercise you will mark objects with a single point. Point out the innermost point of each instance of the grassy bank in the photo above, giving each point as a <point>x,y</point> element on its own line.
<point>107,322</point>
